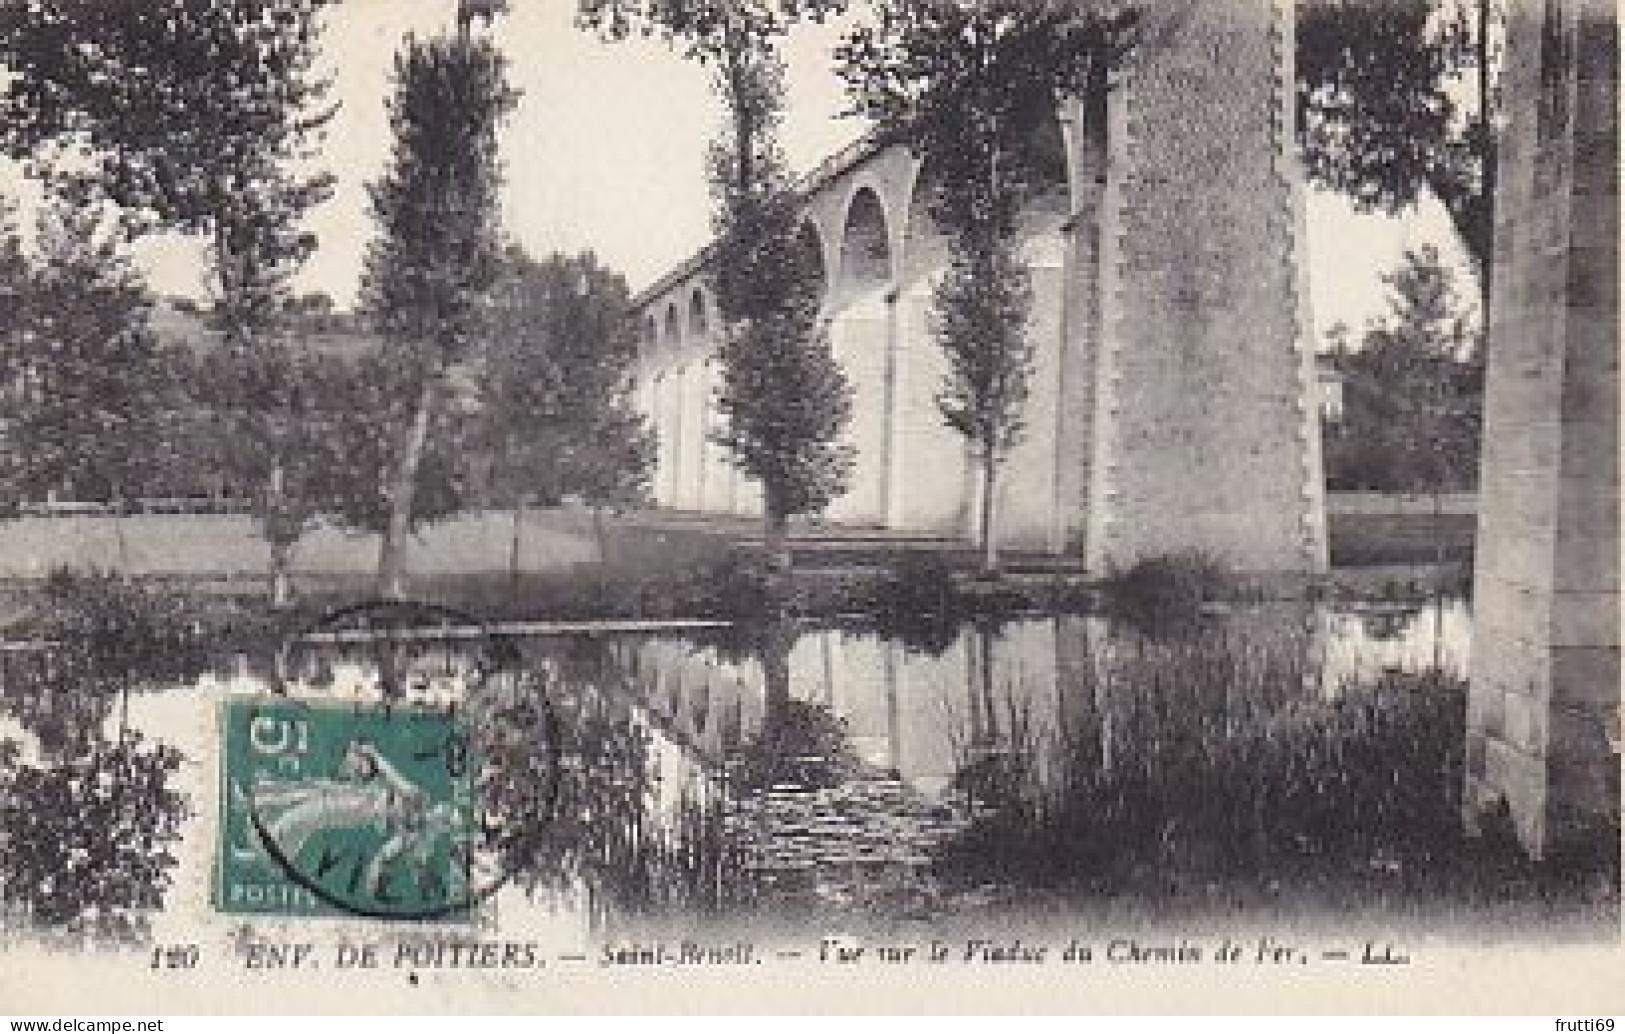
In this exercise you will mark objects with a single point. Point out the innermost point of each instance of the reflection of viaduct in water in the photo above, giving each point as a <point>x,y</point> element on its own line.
<point>1039,689</point>
<point>1171,405</point>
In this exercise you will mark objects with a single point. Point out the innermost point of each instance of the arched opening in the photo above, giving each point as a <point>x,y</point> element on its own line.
<point>866,261</point>
<point>810,246</point>
<point>1050,190</point>
<point>674,324</point>
<point>698,319</point>
<point>651,330</point>
<point>1047,202</point>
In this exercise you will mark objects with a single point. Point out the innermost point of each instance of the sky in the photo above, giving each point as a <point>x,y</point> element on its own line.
<point>606,152</point>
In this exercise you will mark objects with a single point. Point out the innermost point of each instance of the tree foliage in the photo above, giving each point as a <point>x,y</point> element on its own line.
<point>705,30</point>
<point>784,398</point>
<point>970,87</point>
<point>1386,110</point>
<point>89,830</point>
<point>437,256</point>
<point>89,409</point>
<point>431,270</point>
<point>190,114</point>
<point>89,839</point>
<point>981,305</point>
<point>1413,391</point>
<point>198,116</point>
<point>558,419</point>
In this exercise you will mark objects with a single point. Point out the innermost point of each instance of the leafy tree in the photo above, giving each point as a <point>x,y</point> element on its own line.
<point>1386,108</point>
<point>16,290</point>
<point>1413,406</point>
<point>370,399</point>
<point>711,32</point>
<point>191,115</point>
<point>558,419</point>
<point>431,270</point>
<point>967,86</point>
<point>92,386</point>
<point>276,425</point>
<point>14,270</point>
<point>981,306</point>
<point>784,398</point>
<point>88,844</point>
<point>188,113</point>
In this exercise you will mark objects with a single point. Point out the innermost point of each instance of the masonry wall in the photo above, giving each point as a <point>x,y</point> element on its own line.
<point>1543,715</point>
<point>1207,430</point>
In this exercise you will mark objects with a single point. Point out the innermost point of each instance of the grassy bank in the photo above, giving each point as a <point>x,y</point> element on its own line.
<point>1237,788</point>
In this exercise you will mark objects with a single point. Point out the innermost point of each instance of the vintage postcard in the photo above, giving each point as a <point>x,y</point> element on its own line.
<point>538,506</point>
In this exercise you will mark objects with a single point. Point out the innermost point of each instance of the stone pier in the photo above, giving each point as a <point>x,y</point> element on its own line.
<point>1206,432</point>
<point>1543,715</point>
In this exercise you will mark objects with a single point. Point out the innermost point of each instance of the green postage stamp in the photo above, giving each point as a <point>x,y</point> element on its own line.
<point>343,809</point>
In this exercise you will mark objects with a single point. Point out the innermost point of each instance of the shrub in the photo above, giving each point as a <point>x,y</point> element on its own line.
<point>1160,592</point>
<point>918,603</point>
<point>87,844</point>
<point>807,746</point>
<point>1194,787</point>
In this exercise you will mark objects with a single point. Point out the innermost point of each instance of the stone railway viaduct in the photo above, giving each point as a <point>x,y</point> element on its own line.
<point>1172,405</point>
<point>1173,401</point>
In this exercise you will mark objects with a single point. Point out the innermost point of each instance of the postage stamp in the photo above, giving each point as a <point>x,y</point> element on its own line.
<point>368,811</point>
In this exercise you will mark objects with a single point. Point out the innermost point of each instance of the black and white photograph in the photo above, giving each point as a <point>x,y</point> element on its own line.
<point>809,506</point>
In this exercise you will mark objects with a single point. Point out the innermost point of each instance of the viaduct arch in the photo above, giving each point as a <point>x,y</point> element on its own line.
<point>1172,401</point>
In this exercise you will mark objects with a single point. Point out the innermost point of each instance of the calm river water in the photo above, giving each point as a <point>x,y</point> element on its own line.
<point>909,720</point>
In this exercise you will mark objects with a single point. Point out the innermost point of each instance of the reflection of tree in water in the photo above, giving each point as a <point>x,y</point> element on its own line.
<point>87,831</point>
<point>86,843</point>
<point>100,638</point>
<point>570,796</point>
<point>1209,758</point>
<point>803,743</point>
<point>1389,623</point>
<point>799,742</point>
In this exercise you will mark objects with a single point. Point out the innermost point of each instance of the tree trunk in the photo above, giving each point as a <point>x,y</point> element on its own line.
<point>990,542</point>
<point>776,547</point>
<point>601,537</point>
<point>776,642</point>
<point>121,538</point>
<point>280,536</point>
<point>402,489</point>
<point>1486,266</point>
<point>1438,576</point>
<point>281,583</point>
<point>513,545</point>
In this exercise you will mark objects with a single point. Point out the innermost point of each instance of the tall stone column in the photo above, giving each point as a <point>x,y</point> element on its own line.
<point>1205,438</point>
<point>1543,715</point>
<point>1026,515</point>
<point>1085,127</point>
<point>860,336</point>
<point>676,497</point>
<point>660,391</point>
<point>930,456</point>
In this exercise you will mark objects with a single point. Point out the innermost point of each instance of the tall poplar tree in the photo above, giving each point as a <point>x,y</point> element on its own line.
<point>437,258</point>
<point>785,399</point>
<point>967,86</point>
